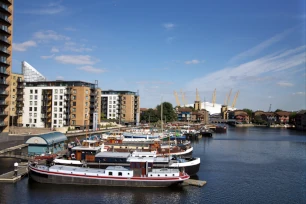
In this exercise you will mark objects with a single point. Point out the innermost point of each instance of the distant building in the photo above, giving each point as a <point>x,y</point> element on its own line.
<point>16,105</point>
<point>30,73</point>
<point>184,114</point>
<point>123,106</point>
<point>52,104</point>
<point>239,116</point>
<point>282,117</point>
<point>200,116</point>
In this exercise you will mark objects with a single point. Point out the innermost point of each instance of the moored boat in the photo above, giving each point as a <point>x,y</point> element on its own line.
<point>140,174</point>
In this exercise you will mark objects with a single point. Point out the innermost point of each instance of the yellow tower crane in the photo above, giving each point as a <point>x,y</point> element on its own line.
<point>214,98</point>
<point>228,97</point>
<point>235,99</point>
<point>197,103</point>
<point>177,99</point>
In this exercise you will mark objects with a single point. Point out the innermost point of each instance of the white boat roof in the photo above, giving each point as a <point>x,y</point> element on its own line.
<point>117,168</point>
<point>85,170</point>
<point>144,154</point>
<point>65,161</point>
<point>86,148</point>
<point>90,141</point>
<point>113,154</point>
<point>140,159</point>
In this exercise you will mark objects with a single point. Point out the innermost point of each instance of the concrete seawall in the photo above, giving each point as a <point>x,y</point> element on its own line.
<point>244,125</point>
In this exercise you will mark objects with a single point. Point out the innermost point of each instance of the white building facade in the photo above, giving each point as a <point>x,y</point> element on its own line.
<point>35,110</point>
<point>110,106</point>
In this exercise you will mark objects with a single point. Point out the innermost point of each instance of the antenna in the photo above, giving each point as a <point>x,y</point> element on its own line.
<point>270,108</point>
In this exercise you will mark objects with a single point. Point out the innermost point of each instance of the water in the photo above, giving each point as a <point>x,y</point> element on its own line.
<point>246,165</point>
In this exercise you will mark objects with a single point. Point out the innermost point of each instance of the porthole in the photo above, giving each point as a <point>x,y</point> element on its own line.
<point>151,175</point>
<point>166,175</point>
<point>158,175</point>
<point>172,174</point>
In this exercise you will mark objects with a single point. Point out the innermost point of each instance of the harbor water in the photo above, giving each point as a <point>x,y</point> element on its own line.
<point>244,165</point>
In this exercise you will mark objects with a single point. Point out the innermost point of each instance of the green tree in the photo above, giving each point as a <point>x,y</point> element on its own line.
<point>168,112</point>
<point>249,112</point>
<point>277,110</point>
<point>192,108</point>
<point>149,115</point>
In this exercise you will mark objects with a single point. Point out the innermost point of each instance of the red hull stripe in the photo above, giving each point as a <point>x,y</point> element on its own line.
<point>115,178</point>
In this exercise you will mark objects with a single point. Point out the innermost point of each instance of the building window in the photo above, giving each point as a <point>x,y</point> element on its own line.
<point>55,97</point>
<point>30,120</point>
<point>55,109</point>
<point>31,91</point>
<point>73,110</point>
<point>35,120</point>
<point>35,103</point>
<point>14,77</point>
<point>35,114</point>
<point>60,110</point>
<point>55,115</point>
<point>60,122</point>
<point>31,97</point>
<point>61,91</point>
<point>60,103</point>
<point>36,91</point>
<point>31,103</point>
<point>87,98</point>
<point>30,108</point>
<point>60,115</point>
<point>86,91</point>
<point>110,106</point>
<point>74,91</point>
<point>55,103</point>
<point>56,91</point>
<point>86,103</point>
<point>35,97</point>
<point>61,97</point>
<point>73,97</point>
<point>73,116</point>
<point>54,121</point>
<point>35,108</point>
<point>73,122</point>
<point>114,106</point>
<point>13,90</point>
<point>74,103</point>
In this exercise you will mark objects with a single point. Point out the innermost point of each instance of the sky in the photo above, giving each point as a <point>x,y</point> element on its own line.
<point>157,47</point>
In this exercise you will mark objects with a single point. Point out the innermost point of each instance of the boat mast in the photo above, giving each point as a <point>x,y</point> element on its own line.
<point>161,116</point>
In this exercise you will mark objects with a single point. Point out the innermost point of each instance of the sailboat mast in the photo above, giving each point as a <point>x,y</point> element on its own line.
<point>161,115</point>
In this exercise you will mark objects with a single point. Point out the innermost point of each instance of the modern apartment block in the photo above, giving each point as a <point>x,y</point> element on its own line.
<point>59,103</point>
<point>6,33</point>
<point>16,99</point>
<point>124,106</point>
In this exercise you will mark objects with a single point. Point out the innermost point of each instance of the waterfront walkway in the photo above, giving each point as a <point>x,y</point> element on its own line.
<point>9,177</point>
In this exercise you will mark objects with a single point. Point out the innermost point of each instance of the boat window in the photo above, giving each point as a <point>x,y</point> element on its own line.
<point>172,174</point>
<point>151,175</point>
<point>110,173</point>
<point>158,175</point>
<point>165,174</point>
<point>119,173</point>
<point>128,173</point>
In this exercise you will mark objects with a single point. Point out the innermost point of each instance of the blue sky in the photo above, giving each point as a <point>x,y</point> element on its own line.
<point>157,47</point>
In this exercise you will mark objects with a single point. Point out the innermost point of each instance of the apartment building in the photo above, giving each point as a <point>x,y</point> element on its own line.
<point>6,33</point>
<point>16,99</point>
<point>59,103</point>
<point>124,106</point>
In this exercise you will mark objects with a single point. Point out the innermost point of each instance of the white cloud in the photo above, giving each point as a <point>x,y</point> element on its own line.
<point>194,61</point>
<point>54,49</point>
<point>23,46</point>
<point>50,9</point>
<point>72,46</point>
<point>59,77</point>
<point>47,56</point>
<point>284,84</point>
<point>299,93</point>
<point>231,76</point>
<point>168,26</point>
<point>49,35</point>
<point>76,59</point>
<point>265,44</point>
<point>92,69</point>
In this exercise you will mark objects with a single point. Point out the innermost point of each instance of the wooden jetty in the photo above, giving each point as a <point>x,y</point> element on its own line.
<point>193,182</point>
<point>9,177</point>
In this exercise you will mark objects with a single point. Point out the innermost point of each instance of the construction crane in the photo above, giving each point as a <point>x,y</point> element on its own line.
<point>214,98</point>
<point>235,99</point>
<point>270,108</point>
<point>197,95</point>
<point>228,97</point>
<point>183,98</point>
<point>177,99</point>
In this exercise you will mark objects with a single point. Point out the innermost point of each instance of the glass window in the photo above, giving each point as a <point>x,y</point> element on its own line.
<point>36,91</point>
<point>60,109</point>
<point>55,97</point>
<point>74,103</point>
<point>74,91</point>
<point>55,115</point>
<point>31,103</point>
<point>60,122</point>
<point>60,103</point>
<point>73,110</point>
<point>13,90</point>
<point>60,115</point>
<point>30,108</point>
<point>54,121</point>
<point>30,114</point>
<point>86,103</point>
<point>35,97</point>
<point>61,91</point>
<point>31,91</point>
<point>34,120</point>
<point>30,120</point>
<point>56,91</point>
<point>55,103</point>
<point>35,108</point>
<point>35,114</point>
<point>31,97</point>
<point>61,97</point>
<point>35,103</point>
<point>55,109</point>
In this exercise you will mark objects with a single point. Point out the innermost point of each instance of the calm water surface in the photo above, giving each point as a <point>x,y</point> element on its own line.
<point>245,165</point>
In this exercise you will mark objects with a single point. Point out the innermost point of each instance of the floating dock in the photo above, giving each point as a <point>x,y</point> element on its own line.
<point>193,182</point>
<point>9,176</point>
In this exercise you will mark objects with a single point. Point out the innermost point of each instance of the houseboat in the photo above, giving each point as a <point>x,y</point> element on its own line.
<point>140,174</point>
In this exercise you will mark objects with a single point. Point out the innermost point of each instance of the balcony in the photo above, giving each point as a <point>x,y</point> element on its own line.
<point>2,113</point>
<point>4,51</point>
<point>20,86</point>
<point>5,30</point>
<point>19,99</point>
<point>20,93</point>
<point>5,8</point>
<point>5,20</point>
<point>4,93</point>
<point>5,41</point>
<point>3,123</point>
<point>4,72</point>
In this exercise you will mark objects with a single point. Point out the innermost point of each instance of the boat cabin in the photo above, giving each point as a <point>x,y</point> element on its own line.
<point>112,157</point>
<point>86,152</point>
